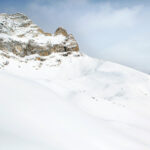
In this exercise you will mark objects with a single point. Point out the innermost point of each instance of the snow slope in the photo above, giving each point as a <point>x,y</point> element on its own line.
<point>72,103</point>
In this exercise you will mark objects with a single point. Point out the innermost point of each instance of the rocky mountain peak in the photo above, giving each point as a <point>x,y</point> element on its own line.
<point>18,34</point>
<point>62,31</point>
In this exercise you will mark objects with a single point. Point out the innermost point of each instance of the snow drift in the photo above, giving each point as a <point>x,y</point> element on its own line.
<point>75,103</point>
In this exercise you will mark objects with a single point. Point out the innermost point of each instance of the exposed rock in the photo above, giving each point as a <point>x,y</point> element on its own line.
<point>19,35</point>
<point>47,34</point>
<point>40,59</point>
<point>62,31</point>
<point>66,54</point>
<point>58,48</point>
<point>72,45</point>
<point>44,53</point>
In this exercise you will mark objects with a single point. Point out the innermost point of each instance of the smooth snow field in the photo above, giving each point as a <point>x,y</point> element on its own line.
<point>73,103</point>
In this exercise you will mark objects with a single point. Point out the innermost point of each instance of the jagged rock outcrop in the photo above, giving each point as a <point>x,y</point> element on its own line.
<point>18,34</point>
<point>62,31</point>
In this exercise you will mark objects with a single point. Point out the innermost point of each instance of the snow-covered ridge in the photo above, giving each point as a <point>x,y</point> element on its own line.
<point>116,81</point>
<point>72,103</point>
<point>21,36</point>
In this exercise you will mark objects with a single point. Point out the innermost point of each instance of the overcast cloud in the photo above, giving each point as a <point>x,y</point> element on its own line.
<point>114,30</point>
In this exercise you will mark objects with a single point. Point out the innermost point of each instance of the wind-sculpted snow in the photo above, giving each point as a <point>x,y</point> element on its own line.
<point>72,103</point>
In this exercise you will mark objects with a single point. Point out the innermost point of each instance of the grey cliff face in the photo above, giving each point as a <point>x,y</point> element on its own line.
<point>18,34</point>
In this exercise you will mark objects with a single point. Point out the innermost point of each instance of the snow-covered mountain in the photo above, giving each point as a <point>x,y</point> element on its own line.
<point>21,36</point>
<point>70,101</point>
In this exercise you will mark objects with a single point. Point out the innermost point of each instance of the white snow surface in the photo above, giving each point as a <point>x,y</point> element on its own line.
<point>72,103</point>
